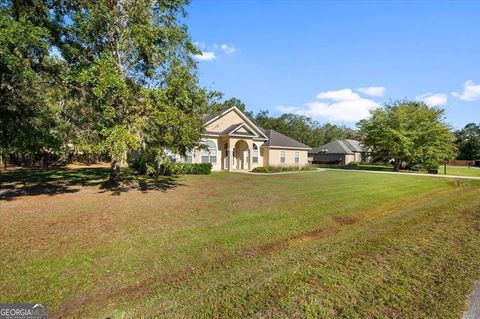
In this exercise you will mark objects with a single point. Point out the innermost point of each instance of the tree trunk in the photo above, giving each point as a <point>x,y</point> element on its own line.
<point>114,172</point>
<point>396,165</point>
<point>46,159</point>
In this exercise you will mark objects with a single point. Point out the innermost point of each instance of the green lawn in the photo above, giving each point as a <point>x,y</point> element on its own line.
<point>332,244</point>
<point>461,170</point>
<point>451,170</point>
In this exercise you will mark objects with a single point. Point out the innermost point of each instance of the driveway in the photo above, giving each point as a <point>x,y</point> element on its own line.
<point>474,304</point>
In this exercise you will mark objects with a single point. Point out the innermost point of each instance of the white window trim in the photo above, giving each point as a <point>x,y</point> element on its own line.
<point>187,155</point>
<point>253,153</point>
<point>284,157</point>
<point>209,153</point>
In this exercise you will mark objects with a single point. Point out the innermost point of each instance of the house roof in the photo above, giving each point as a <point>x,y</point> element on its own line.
<point>276,139</point>
<point>340,147</point>
<point>354,145</point>
<point>234,130</point>
<point>212,117</point>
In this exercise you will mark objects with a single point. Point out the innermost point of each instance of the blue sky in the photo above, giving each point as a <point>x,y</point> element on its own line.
<point>336,60</point>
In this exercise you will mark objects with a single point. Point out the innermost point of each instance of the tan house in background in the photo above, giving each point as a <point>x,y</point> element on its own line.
<point>233,142</point>
<point>340,152</point>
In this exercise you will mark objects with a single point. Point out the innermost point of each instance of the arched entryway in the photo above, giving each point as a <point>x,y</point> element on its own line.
<point>240,155</point>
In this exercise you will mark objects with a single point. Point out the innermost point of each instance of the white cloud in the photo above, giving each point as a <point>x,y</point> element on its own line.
<point>373,90</point>
<point>437,99</point>
<point>228,49</point>
<point>340,95</point>
<point>210,52</point>
<point>200,45</point>
<point>206,56</point>
<point>342,105</point>
<point>471,92</point>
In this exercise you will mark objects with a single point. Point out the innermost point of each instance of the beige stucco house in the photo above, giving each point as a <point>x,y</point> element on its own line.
<point>233,142</point>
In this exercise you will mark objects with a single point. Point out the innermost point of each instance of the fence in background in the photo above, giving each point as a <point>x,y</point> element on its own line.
<point>460,162</point>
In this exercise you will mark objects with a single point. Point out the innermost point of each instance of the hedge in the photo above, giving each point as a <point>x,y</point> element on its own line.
<point>189,168</point>
<point>278,169</point>
<point>168,168</point>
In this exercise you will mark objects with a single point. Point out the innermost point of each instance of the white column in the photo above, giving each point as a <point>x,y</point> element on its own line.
<point>230,155</point>
<point>250,159</point>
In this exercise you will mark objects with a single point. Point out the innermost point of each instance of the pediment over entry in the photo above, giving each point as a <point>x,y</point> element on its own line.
<point>243,130</point>
<point>232,122</point>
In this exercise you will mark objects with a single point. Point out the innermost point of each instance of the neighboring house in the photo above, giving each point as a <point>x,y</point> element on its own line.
<point>339,152</point>
<point>233,142</point>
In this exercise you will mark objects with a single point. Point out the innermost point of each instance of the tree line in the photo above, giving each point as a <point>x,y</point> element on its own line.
<point>468,142</point>
<point>299,127</point>
<point>404,133</point>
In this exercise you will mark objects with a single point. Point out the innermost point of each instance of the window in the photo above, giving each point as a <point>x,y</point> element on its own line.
<point>282,157</point>
<point>255,154</point>
<point>189,157</point>
<point>170,155</point>
<point>208,154</point>
<point>297,157</point>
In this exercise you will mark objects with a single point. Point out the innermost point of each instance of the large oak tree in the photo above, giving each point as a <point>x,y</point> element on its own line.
<point>29,124</point>
<point>408,132</point>
<point>131,76</point>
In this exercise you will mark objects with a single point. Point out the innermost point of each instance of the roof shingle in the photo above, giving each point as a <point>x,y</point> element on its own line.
<point>340,147</point>
<point>280,140</point>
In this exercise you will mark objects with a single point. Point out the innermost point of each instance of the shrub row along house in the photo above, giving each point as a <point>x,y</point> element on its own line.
<point>340,152</point>
<point>233,142</point>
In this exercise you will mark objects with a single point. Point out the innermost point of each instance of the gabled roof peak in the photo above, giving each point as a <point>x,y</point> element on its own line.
<point>211,117</point>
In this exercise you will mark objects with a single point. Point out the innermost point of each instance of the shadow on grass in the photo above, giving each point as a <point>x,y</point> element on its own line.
<point>160,184</point>
<point>54,181</point>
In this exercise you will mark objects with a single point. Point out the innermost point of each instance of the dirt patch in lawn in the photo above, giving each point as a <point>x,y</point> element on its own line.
<point>73,307</point>
<point>295,240</point>
<point>142,287</point>
<point>346,220</point>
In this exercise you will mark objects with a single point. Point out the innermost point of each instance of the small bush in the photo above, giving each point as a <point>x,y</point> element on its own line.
<point>168,168</point>
<point>138,164</point>
<point>197,169</point>
<point>261,169</point>
<point>277,169</point>
<point>190,168</point>
<point>308,167</point>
